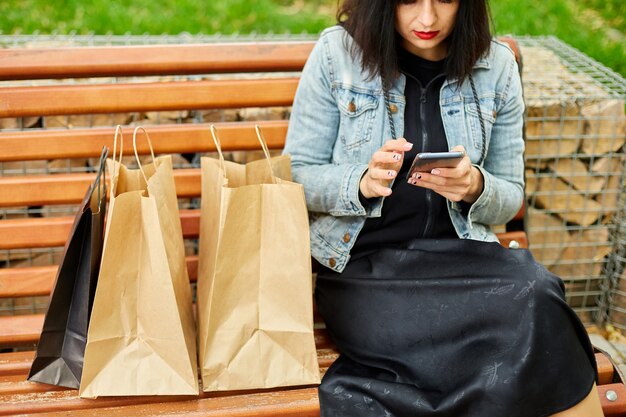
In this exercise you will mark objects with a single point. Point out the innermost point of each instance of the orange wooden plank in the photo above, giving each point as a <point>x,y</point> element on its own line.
<point>605,369</point>
<point>16,363</point>
<point>26,329</point>
<point>83,62</point>
<point>34,232</point>
<point>20,330</point>
<point>520,237</point>
<point>14,381</point>
<point>36,144</point>
<point>53,231</point>
<point>123,98</point>
<point>27,282</point>
<point>36,190</point>
<point>285,402</point>
<point>18,384</point>
<point>15,392</point>
<point>38,280</point>
<point>615,408</point>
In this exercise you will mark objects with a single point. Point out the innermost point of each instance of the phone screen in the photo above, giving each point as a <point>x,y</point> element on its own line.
<point>426,161</point>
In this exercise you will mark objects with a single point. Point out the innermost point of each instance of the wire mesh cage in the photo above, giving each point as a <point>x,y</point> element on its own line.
<point>575,135</point>
<point>575,156</point>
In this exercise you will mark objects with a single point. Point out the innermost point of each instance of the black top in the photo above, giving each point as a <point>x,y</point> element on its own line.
<point>413,212</point>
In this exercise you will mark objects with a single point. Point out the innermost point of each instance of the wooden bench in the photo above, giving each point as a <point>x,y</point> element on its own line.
<point>281,60</point>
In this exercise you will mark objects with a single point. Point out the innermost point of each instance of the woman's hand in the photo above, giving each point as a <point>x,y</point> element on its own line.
<point>383,168</point>
<point>462,183</point>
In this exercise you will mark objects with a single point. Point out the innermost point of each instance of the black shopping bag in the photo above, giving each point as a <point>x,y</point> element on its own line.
<point>61,349</point>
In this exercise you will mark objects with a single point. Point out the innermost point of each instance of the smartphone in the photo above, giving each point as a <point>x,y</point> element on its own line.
<point>426,161</point>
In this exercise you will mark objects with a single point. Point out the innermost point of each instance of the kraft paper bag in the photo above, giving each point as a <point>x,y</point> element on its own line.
<point>142,338</point>
<point>61,347</point>
<point>255,312</point>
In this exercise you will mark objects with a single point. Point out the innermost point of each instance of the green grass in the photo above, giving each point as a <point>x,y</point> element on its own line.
<point>596,27</point>
<point>164,16</point>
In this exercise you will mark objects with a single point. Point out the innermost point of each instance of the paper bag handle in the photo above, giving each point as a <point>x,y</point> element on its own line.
<point>118,133</point>
<point>137,154</point>
<point>266,151</point>
<point>218,146</point>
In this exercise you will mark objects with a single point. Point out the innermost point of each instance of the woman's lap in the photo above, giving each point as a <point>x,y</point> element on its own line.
<point>451,326</point>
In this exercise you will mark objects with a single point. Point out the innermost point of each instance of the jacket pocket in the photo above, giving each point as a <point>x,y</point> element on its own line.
<point>357,111</point>
<point>487,109</point>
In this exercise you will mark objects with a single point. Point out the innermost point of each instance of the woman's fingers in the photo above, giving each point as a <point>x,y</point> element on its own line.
<point>452,183</point>
<point>383,174</point>
<point>383,168</point>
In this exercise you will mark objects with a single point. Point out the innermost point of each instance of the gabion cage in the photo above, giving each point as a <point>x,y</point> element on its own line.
<point>575,136</point>
<point>575,156</point>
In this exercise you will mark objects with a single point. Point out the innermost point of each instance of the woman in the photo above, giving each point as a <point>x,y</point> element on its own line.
<point>431,315</point>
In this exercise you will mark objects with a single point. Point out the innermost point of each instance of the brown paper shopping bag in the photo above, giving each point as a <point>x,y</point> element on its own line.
<point>255,312</point>
<point>141,338</point>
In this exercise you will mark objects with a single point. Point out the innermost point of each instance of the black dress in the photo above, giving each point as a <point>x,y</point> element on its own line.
<point>451,328</point>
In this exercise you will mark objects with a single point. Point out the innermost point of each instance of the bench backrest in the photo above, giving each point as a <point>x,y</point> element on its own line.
<point>219,76</point>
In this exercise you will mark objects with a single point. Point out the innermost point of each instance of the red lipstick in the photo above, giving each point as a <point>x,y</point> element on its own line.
<point>425,35</point>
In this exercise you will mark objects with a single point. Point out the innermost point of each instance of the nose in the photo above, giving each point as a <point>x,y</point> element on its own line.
<point>427,15</point>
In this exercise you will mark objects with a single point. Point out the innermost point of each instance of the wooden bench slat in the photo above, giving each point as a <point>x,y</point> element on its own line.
<point>613,408</point>
<point>279,403</point>
<point>35,144</point>
<point>13,385</point>
<point>284,402</point>
<point>26,329</point>
<point>20,329</point>
<point>50,232</point>
<point>39,280</point>
<point>16,363</point>
<point>83,62</point>
<point>124,98</point>
<point>16,382</point>
<point>37,190</point>
<point>27,282</point>
<point>518,236</point>
<point>605,369</point>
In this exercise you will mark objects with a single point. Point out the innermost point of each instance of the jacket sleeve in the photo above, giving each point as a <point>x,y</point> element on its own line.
<point>311,138</point>
<point>503,168</point>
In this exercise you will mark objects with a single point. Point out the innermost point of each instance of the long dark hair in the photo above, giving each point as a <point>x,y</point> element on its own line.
<point>371,24</point>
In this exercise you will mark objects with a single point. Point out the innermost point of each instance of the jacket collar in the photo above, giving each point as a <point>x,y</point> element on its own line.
<point>482,63</point>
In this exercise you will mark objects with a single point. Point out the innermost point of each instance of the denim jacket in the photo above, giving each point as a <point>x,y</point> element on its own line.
<point>339,119</point>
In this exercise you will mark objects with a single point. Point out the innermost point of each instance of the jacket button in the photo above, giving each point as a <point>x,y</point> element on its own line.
<point>393,108</point>
<point>346,237</point>
<point>494,114</point>
<point>351,107</point>
<point>332,262</point>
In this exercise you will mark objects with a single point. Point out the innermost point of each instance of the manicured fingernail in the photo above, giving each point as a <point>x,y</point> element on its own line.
<point>435,171</point>
<point>408,146</point>
<point>417,176</point>
<point>390,173</point>
<point>396,156</point>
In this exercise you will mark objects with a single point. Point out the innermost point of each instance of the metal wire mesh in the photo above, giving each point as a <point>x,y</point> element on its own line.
<point>576,130</point>
<point>575,155</point>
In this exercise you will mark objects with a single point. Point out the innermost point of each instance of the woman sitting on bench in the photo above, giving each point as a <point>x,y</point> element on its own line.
<point>432,316</point>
